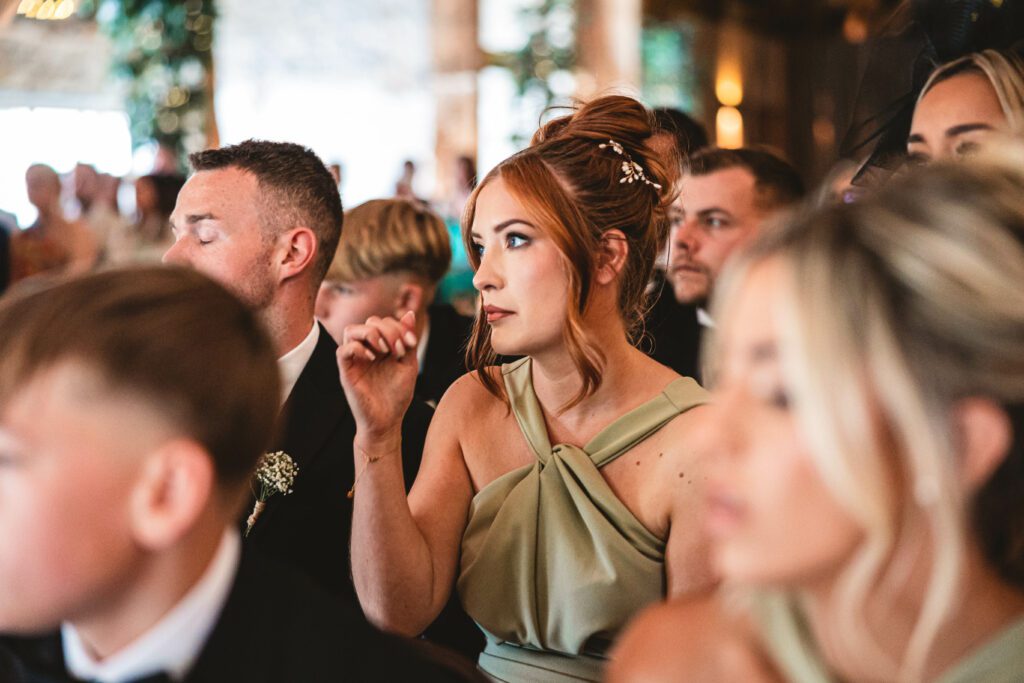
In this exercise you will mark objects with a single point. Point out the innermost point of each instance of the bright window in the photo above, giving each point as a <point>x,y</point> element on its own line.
<point>59,138</point>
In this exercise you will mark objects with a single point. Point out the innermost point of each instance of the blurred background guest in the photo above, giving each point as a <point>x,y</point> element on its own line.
<point>53,244</point>
<point>96,194</point>
<point>149,236</point>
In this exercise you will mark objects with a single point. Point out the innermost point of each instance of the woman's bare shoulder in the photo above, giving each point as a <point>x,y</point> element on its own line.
<point>467,397</point>
<point>689,639</point>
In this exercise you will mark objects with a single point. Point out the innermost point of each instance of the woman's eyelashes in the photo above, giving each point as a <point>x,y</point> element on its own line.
<point>515,240</point>
<point>512,240</point>
<point>966,149</point>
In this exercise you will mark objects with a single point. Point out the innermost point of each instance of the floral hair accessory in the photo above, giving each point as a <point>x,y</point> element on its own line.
<point>275,473</point>
<point>631,171</point>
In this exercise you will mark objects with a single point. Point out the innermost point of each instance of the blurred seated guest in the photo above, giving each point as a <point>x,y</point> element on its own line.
<point>166,160</point>
<point>964,102</point>
<point>391,256</point>
<point>149,237</point>
<point>865,499</point>
<point>404,185</point>
<point>727,195</point>
<point>96,194</point>
<point>463,184</point>
<point>125,462</point>
<point>548,494</point>
<point>53,243</point>
<point>264,218</point>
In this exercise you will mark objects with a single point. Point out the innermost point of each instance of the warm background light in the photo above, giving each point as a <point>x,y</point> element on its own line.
<point>729,128</point>
<point>729,88</point>
<point>46,9</point>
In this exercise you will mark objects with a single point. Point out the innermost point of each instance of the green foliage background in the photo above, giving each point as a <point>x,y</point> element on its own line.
<point>162,52</point>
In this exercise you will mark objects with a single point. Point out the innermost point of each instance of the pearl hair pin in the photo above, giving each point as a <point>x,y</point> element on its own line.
<point>631,171</point>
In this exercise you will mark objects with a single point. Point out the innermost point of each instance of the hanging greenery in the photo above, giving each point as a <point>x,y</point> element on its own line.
<point>162,52</point>
<point>544,64</point>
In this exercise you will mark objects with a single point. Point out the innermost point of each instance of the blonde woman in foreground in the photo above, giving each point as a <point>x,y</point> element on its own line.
<point>867,512</point>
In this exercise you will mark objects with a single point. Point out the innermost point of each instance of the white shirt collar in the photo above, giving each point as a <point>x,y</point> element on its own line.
<point>704,319</point>
<point>421,348</point>
<point>292,363</point>
<point>174,643</point>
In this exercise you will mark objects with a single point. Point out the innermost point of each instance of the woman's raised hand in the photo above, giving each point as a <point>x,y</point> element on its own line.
<point>378,366</point>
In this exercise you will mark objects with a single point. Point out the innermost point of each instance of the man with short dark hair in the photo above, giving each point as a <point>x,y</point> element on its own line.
<point>727,195</point>
<point>264,219</point>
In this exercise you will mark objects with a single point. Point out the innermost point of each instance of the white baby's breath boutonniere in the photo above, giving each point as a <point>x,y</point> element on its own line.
<point>275,473</point>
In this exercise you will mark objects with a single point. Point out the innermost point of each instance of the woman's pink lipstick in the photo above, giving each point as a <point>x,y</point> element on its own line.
<point>494,313</point>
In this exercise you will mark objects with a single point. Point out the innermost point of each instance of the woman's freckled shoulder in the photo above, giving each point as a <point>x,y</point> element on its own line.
<point>681,435</point>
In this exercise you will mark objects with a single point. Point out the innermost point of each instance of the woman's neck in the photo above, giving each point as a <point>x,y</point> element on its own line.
<point>557,381</point>
<point>985,605</point>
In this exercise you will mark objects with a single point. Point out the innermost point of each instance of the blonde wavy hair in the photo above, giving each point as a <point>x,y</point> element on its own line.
<point>1004,69</point>
<point>897,308</point>
<point>384,236</point>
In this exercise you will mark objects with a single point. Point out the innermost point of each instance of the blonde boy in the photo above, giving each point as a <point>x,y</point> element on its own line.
<point>391,257</point>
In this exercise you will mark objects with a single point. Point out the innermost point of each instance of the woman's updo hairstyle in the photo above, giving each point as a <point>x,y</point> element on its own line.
<point>573,182</point>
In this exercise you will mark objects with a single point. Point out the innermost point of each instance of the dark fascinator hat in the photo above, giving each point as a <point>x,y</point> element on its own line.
<point>919,37</point>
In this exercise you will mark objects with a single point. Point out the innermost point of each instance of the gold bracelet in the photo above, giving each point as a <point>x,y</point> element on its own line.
<point>368,459</point>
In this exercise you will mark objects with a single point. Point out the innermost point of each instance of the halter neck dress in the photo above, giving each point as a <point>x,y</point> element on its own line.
<point>553,563</point>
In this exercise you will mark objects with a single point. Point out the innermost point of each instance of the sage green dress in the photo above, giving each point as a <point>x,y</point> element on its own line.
<point>553,563</point>
<point>1000,660</point>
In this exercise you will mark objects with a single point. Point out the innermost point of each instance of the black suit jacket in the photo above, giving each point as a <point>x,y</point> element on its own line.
<point>444,360</point>
<point>673,330</point>
<point>276,626</point>
<point>310,527</point>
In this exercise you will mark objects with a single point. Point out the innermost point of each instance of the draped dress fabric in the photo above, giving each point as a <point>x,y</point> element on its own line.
<point>788,638</point>
<point>553,563</point>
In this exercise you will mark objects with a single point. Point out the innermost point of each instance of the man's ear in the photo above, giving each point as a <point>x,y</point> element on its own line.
<point>298,249</point>
<point>411,295</point>
<point>984,434</point>
<point>175,485</point>
<point>611,257</point>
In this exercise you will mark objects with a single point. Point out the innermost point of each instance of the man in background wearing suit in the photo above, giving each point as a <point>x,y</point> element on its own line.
<point>264,219</point>
<point>133,408</point>
<point>727,196</point>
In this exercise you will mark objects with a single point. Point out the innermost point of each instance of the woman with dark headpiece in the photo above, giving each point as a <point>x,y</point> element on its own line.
<point>964,102</point>
<point>928,42</point>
